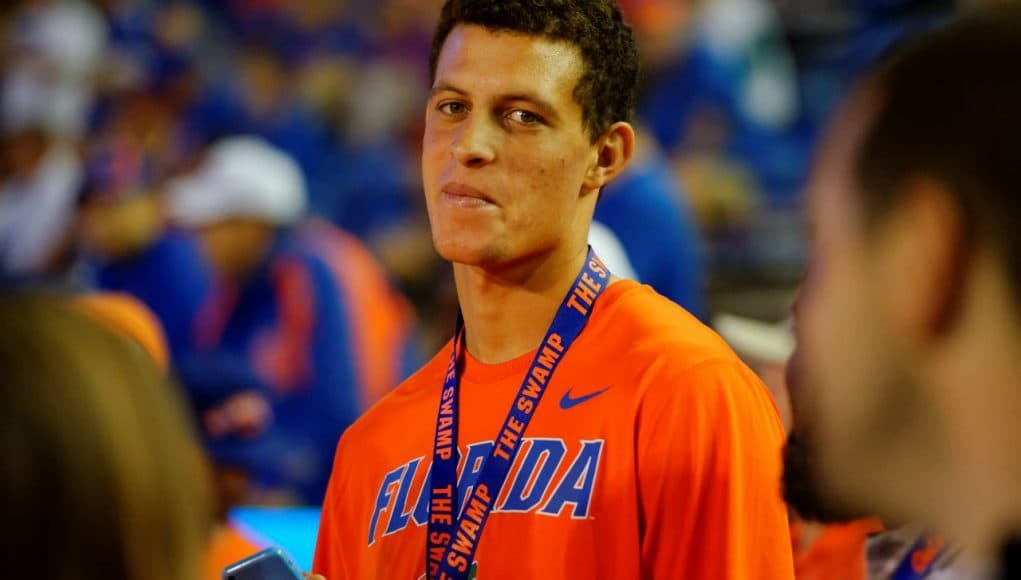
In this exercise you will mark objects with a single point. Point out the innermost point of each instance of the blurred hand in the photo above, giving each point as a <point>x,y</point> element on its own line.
<point>314,577</point>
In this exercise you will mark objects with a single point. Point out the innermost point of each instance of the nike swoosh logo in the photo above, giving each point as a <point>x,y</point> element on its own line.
<point>567,402</point>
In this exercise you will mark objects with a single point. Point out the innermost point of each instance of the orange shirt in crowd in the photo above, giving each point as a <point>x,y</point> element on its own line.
<point>836,552</point>
<point>654,453</point>
<point>129,317</point>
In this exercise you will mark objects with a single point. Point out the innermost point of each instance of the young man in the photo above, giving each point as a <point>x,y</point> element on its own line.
<point>642,449</point>
<point>912,319</point>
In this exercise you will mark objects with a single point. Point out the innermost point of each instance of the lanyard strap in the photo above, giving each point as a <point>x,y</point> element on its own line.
<point>451,540</point>
<point>920,560</point>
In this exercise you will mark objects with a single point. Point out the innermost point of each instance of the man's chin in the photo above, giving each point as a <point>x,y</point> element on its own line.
<point>466,251</point>
<point>802,490</point>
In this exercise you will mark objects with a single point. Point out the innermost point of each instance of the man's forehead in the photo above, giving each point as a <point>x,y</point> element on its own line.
<point>508,60</point>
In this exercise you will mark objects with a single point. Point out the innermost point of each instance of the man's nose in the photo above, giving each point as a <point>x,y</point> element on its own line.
<point>474,143</point>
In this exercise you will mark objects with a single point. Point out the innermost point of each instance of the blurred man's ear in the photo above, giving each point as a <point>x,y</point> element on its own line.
<point>928,258</point>
<point>613,151</point>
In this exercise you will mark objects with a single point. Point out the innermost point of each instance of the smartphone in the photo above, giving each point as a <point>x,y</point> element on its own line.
<point>269,564</point>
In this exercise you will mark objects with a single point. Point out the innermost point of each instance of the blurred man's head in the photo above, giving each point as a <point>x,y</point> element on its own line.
<point>242,194</point>
<point>912,320</point>
<point>100,476</point>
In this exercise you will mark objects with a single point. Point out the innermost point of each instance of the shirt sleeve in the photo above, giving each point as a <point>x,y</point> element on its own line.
<point>328,558</point>
<point>709,460</point>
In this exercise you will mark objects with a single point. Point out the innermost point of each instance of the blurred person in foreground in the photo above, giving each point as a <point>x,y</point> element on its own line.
<point>834,542</point>
<point>912,319</point>
<point>830,542</point>
<point>100,477</point>
<point>128,317</point>
<point>826,546</point>
<point>655,452</point>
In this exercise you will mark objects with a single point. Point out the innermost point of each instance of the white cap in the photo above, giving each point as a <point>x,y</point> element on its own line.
<point>240,177</point>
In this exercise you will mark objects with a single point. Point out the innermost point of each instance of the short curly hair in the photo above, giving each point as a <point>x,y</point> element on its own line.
<point>606,90</point>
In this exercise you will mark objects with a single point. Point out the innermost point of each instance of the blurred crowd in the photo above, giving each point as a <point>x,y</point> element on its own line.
<point>248,170</point>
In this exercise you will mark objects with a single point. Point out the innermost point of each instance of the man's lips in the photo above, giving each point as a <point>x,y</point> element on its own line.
<point>465,195</point>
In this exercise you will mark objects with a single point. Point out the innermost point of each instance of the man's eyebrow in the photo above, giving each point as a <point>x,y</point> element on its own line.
<point>445,88</point>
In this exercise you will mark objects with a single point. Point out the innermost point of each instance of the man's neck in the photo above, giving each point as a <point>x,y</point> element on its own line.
<point>508,312</point>
<point>992,516</point>
<point>987,508</point>
<point>980,377</point>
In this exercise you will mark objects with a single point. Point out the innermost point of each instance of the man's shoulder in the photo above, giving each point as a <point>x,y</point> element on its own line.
<point>642,326</point>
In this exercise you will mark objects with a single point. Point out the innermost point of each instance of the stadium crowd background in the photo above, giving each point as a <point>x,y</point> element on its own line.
<point>107,106</point>
<point>734,93</point>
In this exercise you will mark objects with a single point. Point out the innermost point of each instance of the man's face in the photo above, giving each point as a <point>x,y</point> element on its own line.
<point>505,152</point>
<point>234,246</point>
<point>857,397</point>
<point>801,486</point>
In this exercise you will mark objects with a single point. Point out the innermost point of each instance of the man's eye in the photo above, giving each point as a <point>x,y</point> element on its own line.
<point>452,108</point>
<point>524,117</point>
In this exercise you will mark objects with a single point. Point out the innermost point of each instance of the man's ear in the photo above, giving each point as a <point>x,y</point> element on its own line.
<point>930,254</point>
<point>613,151</point>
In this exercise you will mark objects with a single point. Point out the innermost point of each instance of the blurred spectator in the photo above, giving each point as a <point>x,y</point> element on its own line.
<point>101,478</point>
<point>39,180</point>
<point>277,308</point>
<point>128,247</point>
<point>54,51</point>
<point>917,291</point>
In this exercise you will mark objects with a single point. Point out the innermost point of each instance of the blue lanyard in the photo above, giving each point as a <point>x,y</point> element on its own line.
<point>920,560</point>
<point>452,541</point>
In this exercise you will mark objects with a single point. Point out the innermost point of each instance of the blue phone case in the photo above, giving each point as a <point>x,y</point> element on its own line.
<point>269,564</point>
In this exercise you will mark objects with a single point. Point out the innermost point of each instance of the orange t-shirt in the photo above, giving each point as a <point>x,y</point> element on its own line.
<point>837,553</point>
<point>655,453</point>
